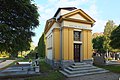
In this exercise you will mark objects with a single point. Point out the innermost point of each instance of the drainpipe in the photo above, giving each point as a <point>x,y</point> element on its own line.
<point>61,63</point>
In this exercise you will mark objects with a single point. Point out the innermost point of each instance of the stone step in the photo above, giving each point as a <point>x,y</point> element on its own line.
<point>78,66</point>
<point>79,63</point>
<point>81,68</point>
<point>83,71</point>
<point>82,74</point>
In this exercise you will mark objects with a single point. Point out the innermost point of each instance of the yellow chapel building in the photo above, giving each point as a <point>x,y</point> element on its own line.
<point>68,37</point>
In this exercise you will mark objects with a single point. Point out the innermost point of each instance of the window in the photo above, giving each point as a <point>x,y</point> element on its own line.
<point>77,36</point>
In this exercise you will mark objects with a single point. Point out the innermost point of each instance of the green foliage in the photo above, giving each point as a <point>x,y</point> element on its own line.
<point>3,54</point>
<point>98,43</point>
<point>115,38</point>
<point>32,53</point>
<point>45,67</point>
<point>17,20</point>
<point>110,26</point>
<point>41,46</point>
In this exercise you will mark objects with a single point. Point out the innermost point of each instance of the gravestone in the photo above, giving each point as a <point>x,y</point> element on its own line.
<point>36,63</point>
<point>99,60</point>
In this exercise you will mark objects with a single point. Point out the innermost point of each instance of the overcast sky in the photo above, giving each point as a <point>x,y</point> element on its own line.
<point>99,10</point>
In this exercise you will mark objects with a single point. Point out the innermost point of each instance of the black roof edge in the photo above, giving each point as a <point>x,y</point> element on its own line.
<point>63,8</point>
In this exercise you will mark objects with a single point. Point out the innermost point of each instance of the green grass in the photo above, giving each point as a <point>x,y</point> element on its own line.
<point>6,59</point>
<point>112,68</point>
<point>44,67</point>
<point>53,75</point>
<point>47,73</point>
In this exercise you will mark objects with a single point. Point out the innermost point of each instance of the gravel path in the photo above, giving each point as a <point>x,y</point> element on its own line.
<point>6,63</point>
<point>103,76</point>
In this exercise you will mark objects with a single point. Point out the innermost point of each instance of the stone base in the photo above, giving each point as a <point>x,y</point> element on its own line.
<point>66,63</point>
<point>49,61</point>
<point>53,63</point>
<point>59,64</point>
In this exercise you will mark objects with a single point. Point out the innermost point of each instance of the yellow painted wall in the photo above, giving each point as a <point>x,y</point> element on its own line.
<point>67,43</point>
<point>89,44</point>
<point>65,48</point>
<point>70,45</point>
<point>86,44</point>
<point>56,43</point>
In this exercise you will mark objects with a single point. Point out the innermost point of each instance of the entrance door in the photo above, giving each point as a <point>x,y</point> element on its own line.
<point>77,52</point>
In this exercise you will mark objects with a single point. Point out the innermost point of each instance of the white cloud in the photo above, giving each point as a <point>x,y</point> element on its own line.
<point>47,11</point>
<point>99,26</point>
<point>95,14</point>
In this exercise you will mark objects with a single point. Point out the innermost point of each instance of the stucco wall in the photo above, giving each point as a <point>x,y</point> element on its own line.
<point>78,16</point>
<point>49,42</point>
<point>87,44</point>
<point>67,43</point>
<point>56,43</point>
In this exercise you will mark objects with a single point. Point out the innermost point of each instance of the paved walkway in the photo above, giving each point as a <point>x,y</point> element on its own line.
<point>103,76</point>
<point>6,63</point>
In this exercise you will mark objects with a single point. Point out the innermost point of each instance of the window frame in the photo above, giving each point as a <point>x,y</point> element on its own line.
<point>79,37</point>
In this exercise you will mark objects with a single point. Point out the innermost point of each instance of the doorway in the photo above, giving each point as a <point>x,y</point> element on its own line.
<point>77,52</point>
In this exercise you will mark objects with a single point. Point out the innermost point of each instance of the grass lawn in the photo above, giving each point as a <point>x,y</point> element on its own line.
<point>112,68</point>
<point>47,73</point>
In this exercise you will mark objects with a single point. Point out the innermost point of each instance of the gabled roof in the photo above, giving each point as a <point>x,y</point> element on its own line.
<point>79,11</point>
<point>65,8</point>
<point>49,23</point>
<point>72,11</point>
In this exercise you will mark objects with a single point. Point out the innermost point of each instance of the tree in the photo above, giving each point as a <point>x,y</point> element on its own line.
<point>41,46</point>
<point>115,38</point>
<point>32,53</point>
<point>110,26</point>
<point>17,20</point>
<point>98,43</point>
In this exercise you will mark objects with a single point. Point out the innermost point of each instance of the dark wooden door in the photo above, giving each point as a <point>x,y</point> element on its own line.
<point>77,52</point>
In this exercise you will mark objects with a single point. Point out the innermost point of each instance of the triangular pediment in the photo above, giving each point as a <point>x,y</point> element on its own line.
<point>78,15</point>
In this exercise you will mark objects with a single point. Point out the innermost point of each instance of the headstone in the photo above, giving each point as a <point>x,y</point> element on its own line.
<point>37,69</point>
<point>36,63</point>
<point>99,60</point>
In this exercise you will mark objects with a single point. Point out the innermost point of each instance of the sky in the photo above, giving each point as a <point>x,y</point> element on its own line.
<point>100,10</point>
